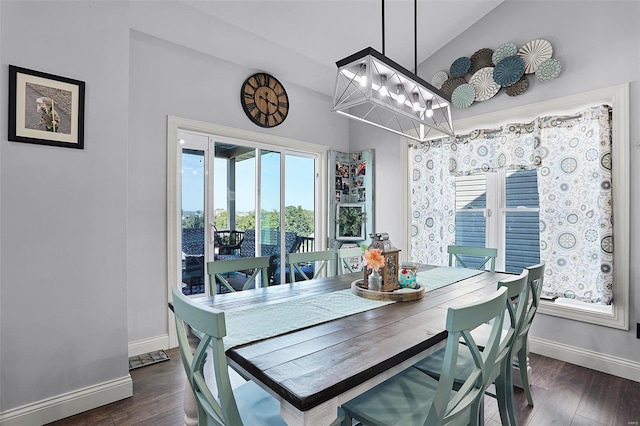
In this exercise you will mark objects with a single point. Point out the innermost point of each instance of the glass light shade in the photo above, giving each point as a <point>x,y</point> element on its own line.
<point>392,112</point>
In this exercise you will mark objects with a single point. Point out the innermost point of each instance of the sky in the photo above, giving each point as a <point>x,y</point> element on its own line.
<point>298,183</point>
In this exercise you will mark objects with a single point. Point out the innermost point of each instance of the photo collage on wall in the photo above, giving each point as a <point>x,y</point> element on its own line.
<point>350,176</point>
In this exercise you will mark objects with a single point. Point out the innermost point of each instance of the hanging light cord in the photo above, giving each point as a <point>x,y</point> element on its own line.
<point>383,27</point>
<point>415,37</point>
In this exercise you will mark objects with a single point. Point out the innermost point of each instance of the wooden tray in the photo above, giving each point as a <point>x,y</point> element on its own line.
<point>399,295</point>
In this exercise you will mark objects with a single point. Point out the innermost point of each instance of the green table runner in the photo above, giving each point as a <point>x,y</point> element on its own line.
<point>269,320</point>
<point>444,275</point>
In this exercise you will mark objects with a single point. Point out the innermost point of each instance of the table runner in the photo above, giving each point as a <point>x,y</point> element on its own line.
<point>258,322</point>
<point>269,320</point>
<point>444,275</point>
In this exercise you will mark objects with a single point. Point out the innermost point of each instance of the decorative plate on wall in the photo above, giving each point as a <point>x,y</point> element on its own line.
<point>548,70</point>
<point>460,67</point>
<point>483,84</point>
<point>519,87</point>
<point>463,96</point>
<point>481,59</point>
<point>534,53</point>
<point>451,84</point>
<point>439,78</point>
<point>505,50</point>
<point>508,71</point>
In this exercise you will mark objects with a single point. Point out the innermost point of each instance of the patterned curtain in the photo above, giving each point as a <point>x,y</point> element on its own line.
<point>576,216</point>
<point>432,203</point>
<point>573,157</point>
<point>433,190</point>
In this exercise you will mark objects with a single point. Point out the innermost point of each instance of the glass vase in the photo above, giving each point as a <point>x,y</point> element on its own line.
<point>375,280</point>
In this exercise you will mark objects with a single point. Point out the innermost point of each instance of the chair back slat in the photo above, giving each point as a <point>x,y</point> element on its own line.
<point>250,265</point>
<point>483,254</point>
<point>210,324</point>
<point>324,261</point>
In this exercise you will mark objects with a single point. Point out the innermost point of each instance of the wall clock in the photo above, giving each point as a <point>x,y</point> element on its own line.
<point>264,100</point>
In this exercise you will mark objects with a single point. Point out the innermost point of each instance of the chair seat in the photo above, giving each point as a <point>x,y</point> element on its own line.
<point>256,406</point>
<point>387,403</point>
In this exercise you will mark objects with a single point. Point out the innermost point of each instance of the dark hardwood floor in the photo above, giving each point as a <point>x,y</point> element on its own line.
<point>564,395</point>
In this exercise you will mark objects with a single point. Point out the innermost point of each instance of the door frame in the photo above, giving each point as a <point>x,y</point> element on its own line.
<point>174,195</point>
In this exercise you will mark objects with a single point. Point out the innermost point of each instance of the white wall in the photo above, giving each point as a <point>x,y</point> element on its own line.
<point>63,323</point>
<point>598,44</point>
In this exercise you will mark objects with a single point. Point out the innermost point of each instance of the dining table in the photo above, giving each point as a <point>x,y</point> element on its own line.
<point>316,344</point>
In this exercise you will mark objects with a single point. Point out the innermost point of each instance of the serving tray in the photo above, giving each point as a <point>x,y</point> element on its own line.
<point>399,295</point>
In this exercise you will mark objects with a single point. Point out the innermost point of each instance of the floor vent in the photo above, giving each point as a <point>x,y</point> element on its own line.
<point>147,359</point>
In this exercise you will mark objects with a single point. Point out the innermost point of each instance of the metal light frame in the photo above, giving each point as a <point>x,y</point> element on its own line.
<point>373,89</point>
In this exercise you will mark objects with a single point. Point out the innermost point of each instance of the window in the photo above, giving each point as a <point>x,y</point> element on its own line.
<point>500,209</point>
<point>475,214</point>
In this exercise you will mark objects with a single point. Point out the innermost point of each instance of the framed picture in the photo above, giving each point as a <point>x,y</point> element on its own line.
<point>350,222</point>
<point>45,109</point>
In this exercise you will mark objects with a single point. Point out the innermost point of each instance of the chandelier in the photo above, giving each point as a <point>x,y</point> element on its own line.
<point>374,89</point>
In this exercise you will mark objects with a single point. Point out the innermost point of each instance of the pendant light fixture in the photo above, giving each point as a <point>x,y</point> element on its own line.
<point>374,89</point>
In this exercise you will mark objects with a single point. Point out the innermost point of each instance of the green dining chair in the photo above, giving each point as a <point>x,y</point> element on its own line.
<point>516,304</point>
<point>415,398</point>
<point>250,265</point>
<point>466,256</point>
<point>247,404</point>
<point>350,260</point>
<point>324,261</point>
<point>536,278</point>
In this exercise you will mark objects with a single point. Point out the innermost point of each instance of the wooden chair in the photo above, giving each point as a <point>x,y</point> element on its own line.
<point>346,263</point>
<point>218,403</point>
<point>520,350</point>
<point>257,265</point>
<point>415,398</point>
<point>462,254</point>
<point>516,304</point>
<point>325,260</point>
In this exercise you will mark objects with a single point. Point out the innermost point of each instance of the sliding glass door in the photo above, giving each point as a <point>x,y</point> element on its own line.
<point>244,199</point>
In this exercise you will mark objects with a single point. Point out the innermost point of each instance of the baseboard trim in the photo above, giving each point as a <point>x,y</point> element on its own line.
<point>139,347</point>
<point>65,405</point>
<point>585,358</point>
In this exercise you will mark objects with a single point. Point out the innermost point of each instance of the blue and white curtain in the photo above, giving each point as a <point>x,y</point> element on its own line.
<point>572,155</point>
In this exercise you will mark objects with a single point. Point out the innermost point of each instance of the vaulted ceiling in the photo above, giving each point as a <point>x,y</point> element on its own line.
<point>300,40</point>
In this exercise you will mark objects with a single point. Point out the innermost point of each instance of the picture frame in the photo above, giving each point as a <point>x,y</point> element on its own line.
<point>45,109</point>
<point>350,222</point>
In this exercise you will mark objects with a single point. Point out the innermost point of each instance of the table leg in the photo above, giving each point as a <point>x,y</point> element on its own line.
<point>190,406</point>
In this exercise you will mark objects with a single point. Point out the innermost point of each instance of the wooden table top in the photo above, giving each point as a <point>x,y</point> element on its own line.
<point>313,365</point>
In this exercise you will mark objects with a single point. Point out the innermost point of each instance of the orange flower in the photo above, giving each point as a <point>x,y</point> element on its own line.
<point>373,259</point>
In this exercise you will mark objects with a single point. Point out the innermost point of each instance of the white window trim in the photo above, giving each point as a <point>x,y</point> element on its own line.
<point>618,98</point>
<point>174,196</point>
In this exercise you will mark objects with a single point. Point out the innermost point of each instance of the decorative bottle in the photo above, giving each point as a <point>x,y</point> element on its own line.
<point>375,280</point>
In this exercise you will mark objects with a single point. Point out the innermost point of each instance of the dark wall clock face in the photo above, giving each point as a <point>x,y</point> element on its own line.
<point>264,100</point>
